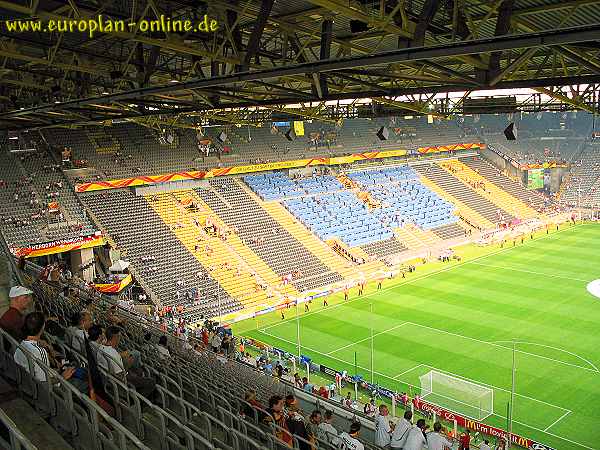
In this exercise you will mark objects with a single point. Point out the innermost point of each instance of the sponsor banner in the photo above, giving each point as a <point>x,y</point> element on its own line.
<point>113,288</point>
<point>278,165</point>
<point>449,148</point>
<point>64,245</point>
<point>546,165</point>
<point>328,370</point>
<point>474,425</point>
<point>139,181</point>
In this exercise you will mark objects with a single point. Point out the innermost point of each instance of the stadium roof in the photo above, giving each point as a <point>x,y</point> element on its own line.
<point>270,53</point>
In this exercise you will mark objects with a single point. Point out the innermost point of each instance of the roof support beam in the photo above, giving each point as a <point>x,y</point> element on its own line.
<point>259,26</point>
<point>326,36</point>
<point>430,7</point>
<point>502,28</point>
<point>568,100</point>
<point>509,42</point>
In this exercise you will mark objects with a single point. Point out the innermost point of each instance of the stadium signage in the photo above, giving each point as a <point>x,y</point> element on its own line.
<point>474,425</point>
<point>59,246</point>
<point>278,165</point>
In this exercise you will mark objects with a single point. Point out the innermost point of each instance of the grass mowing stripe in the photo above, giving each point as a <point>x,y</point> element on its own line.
<point>532,293</point>
<point>420,277</point>
<point>533,272</point>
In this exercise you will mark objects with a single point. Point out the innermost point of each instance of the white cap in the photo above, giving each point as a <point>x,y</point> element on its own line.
<point>17,291</point>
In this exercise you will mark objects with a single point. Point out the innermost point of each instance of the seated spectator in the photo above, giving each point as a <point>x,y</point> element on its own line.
<point>326,431</point>
<point>163,351</point>
<point>33,329</point>
<point>78,331</point>
<point>250,404</point>
<point>123,364</point>
<point>95,337</point>
<point>306,386</point>
<point>277,420</point>
<point>415,439</point>
<point>13,319</point>
<point>313,425</point>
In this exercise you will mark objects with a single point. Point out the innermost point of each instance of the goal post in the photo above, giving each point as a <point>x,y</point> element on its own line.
<point>455,394</point>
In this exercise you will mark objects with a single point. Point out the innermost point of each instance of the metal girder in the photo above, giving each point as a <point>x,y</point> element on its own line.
<point>325,53</point>
<point>513,66</point>
<point>546,38</point>
<point>354,13</point>
<point>502,28</point>
<point>566,99</point>
<point>259,26</point>
<point>428,11</point>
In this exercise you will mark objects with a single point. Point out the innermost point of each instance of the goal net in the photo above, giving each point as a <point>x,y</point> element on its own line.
<point>457,395</point>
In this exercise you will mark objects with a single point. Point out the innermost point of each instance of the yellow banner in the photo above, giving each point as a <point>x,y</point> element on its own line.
<point>299,127</point>
<point>277,165</point>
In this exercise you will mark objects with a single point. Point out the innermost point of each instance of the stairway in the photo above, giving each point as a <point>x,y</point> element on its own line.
<point>241,249</point>
<point>317,247</point>
<point>408,238</point>
<point>464,211</point>
<point>427,237</point>
<point>227,268</point>
<point>489,190</point>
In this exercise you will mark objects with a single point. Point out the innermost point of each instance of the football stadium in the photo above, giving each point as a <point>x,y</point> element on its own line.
<point>317,225</point>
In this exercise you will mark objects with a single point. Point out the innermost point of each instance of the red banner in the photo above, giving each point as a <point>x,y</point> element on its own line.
<point>474,425</point>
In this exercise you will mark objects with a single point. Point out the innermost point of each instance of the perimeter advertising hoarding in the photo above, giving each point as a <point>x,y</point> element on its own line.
<point>480,427</point>
<point>535,179</point>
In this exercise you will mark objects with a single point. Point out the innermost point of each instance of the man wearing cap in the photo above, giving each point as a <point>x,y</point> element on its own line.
<point>13,319</point>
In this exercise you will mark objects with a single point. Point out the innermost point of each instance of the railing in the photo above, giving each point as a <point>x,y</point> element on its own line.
<point>16,439</point>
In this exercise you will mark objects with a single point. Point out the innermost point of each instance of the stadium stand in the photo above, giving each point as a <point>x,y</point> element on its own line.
<point>264,235</point>
<point>158,255</point>
<point>463,193</point>
<point>515,189</point>
<point>38,203</point>
<point>200,400</point>
<point>582,187</point>
<point>127,149</point>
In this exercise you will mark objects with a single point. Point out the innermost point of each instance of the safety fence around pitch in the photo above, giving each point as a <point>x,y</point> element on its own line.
<point>417,404</point>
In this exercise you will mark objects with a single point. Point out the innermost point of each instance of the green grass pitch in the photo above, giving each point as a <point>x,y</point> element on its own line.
<point>460,318</point>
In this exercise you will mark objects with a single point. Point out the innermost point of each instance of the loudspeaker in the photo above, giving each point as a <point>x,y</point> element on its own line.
<point>383,134</point>
<point>290,135</point>
<point>222,137</point>
<point>510,132</point>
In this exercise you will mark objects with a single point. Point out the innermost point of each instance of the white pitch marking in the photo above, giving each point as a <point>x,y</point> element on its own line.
<point>367,338</point>
<point>557,420</point>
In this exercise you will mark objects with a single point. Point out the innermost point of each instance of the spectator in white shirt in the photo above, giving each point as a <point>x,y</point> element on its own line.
<point>416,436</point>
<point>383,429</point>
<point>79,331</point>
<point>485,445</point>
<point>349,441</point>
<point>326,431</point>
<point>401,430</point>
<point>33,328</point>
<point>437,441</point>
<point>114,362</point>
